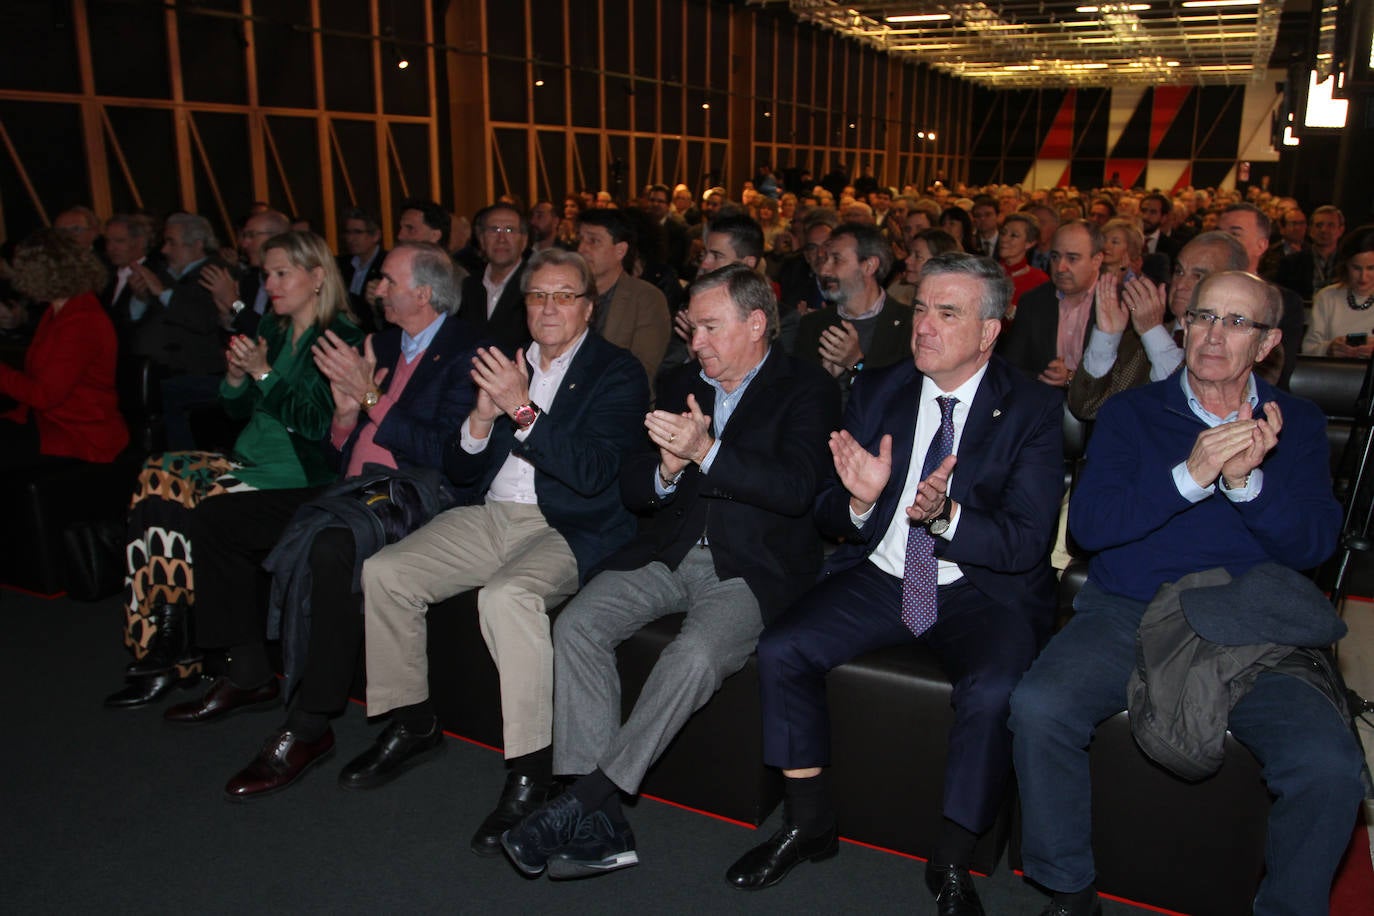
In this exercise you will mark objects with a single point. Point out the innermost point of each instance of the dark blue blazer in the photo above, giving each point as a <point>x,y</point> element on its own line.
<point>1008,482</point>
<point>433,405</point>
<point>576,445</point>
<point>755,504</point>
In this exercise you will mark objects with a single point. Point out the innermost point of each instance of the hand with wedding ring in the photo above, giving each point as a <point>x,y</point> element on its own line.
<point>692,426</point>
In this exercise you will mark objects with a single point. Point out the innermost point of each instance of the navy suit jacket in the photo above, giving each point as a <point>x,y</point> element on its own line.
<point>1031,343</point>
<point>755,504</point>
<point>576,447</point>
<point>507,325</point>
<point>433,405</point>
<point>1008,482</point>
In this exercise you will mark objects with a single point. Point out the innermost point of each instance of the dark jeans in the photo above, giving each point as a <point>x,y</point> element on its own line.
<point>1310,760</point>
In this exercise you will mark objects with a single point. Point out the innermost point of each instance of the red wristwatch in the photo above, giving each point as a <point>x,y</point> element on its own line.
<point>525,415</point>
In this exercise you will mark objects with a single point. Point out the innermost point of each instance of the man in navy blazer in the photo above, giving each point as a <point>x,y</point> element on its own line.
<point>724,486</point>
<point>951,551</point>
<point>395,405</point>
<point>540,453</point>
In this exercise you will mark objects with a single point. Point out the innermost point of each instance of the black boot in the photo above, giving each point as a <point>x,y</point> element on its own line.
<point>171,642</point>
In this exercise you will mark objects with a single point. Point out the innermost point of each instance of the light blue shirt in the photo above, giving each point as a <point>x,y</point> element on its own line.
<point>726,402</point>
<point>1187,487</point>
<point>412,347</point>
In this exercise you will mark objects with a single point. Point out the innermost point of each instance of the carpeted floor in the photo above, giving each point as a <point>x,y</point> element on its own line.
<point>117,812</point>
<point>110,811</point>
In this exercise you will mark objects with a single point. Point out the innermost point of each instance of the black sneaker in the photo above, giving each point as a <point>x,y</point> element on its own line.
<point>598,846</point>
<point>544,830</point>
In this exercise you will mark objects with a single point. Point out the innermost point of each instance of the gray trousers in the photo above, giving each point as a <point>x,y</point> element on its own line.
<point>722,626</point>
<point>522,565</point>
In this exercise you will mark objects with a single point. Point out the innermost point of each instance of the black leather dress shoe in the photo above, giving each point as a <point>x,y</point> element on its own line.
<point>520,796</point>
<point>281,762</point>
<point>952,888</point>
<point>397,749</point>
<point>1056,908</point>
<point>140,691</point>
<point>221,699</point>
<point>770,861</point>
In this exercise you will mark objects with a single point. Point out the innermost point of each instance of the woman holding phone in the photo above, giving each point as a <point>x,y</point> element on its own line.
<point>1342,313</point>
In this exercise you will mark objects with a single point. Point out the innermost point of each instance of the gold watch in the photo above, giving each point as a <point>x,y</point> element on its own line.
<point>371,398</point>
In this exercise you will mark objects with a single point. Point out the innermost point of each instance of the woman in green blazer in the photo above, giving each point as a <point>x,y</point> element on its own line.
<point>276,464</point>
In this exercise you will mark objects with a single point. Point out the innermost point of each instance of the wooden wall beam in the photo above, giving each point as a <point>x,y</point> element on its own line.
<point>465,27</point>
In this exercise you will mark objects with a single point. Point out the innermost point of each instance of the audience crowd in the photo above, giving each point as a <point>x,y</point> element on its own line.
<point>669,404</point>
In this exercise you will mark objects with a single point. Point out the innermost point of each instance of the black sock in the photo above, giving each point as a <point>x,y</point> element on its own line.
<point>1079,903</point>
<point>536,766</point>
<point>246,666</point>
<point>418,717</point>
<point>595,790</point>
<point>808,804</point>
<point>308,726</point>
<point>955,846</point>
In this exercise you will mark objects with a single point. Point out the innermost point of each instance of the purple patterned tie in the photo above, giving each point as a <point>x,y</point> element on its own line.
<point>918,573</point>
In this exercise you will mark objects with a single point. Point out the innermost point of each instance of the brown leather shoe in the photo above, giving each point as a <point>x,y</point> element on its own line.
<point>282,760</point>
<point>222,699</point>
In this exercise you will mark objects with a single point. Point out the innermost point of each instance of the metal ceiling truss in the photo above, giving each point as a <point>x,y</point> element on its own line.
<point>1029,44</point>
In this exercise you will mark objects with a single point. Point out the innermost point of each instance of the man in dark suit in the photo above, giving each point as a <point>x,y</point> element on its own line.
<point>242,300</point>
<point>1313,267</point>
<point>395,405</point>
<point>492,300</point>
<point>181,335</point>
<point>361,264</point>
<point>542,447</point>
<point>1153,208</point>
<point>1047,339</point>
<point>127,241</point>
<point>946,487</point>
<point>866,329</point>
<point>738,449</point>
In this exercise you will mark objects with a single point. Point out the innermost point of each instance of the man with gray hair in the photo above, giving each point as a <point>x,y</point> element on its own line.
<point>723,485</point>
<point>242,300</point>
<point>947,477</point>
<point>397,404</point>
<point>540,453</point>
<point>182,333</point>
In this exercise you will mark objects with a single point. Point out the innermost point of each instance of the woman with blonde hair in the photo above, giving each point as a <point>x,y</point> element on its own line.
<point>1123,248</point>
<point>276,465</point>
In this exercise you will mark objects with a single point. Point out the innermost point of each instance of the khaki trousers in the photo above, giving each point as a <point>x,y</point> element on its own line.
<point>522,566</point>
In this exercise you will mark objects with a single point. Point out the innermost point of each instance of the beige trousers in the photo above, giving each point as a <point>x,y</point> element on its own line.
<point>522,566</point>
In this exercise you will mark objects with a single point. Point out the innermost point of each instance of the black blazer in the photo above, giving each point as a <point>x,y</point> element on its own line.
<point>1295,273</point>
<point>431,407</point>
<point>755,504</point>
<point>576,447</point>
<point>1031,342</point>
<point>891,334</point>
<point>507,325</point>
<point>369,319</point>
<point>1008,482</point>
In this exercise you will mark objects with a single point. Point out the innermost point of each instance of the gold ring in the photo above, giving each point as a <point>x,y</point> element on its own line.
<point>672,437</point>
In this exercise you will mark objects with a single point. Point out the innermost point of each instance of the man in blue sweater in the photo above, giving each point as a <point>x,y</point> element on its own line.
<point>1185,475</point>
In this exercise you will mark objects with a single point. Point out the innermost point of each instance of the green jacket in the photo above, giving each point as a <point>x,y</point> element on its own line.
<point>288,413</point>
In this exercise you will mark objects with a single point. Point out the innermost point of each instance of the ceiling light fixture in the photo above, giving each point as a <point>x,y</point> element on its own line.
<point>922,17</point>
<point>1203,4</point>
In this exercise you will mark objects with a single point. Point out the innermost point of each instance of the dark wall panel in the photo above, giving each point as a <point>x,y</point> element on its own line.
<point>297,142</point>
<point>145,135</point>
<point>1134,142</point>
<point>48,139</point>
<point>412,148</point>
<point>285,60</point>
<point>46,59</point>
<point>405,92</point>
<point>513,150</point>
<point>226,145</point>
<point>1092,121</point>
<point>128,49</point>
<point>212,54</point>
<point>1219,122</point>
<point>1180,137</point>
<point>555,157</point>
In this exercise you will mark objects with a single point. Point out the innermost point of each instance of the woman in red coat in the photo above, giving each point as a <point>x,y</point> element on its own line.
<point>67,408</point>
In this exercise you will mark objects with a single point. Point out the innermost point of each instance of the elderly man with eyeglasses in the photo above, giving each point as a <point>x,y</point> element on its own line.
<point>1209,469</point>
<point>541,453</point>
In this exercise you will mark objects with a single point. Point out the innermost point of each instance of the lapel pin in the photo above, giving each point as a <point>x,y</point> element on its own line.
<point>572,385</point>
<point>996,413</point>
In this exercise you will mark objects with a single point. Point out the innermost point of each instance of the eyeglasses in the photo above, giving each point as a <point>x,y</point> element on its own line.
<point>500,230</point>
<point>1238,324</point>
<point>538,297</point>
